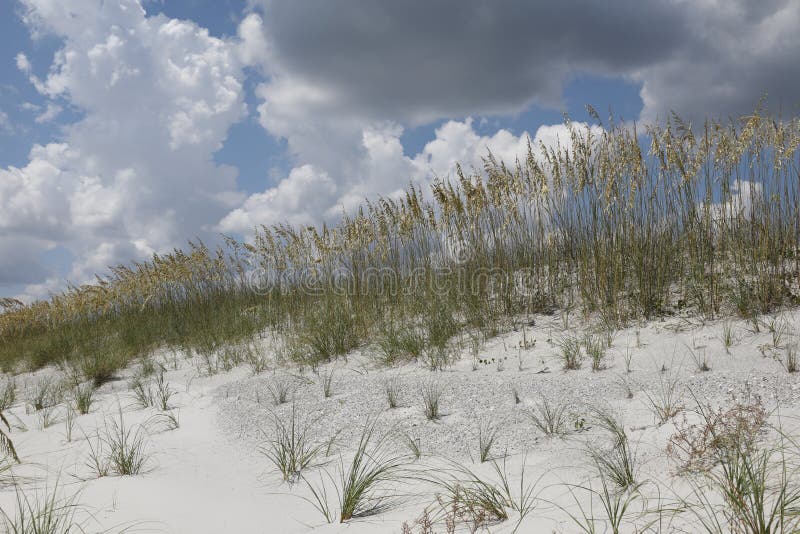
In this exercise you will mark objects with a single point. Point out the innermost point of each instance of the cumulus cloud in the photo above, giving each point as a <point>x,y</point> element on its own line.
<point>345,77</point>
<point>308,194</point>
<point>135,175</point>
<point>341,81</point>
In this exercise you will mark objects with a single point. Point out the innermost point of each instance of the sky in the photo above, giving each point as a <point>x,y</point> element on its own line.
<point>128,127</point>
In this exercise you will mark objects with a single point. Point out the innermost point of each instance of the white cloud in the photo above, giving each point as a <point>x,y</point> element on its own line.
<point>136,174</point>
<point>5,123</point>
<point>298,199</point>
<point>51,112</point>
<point>253,48</point>
<point>310,193</point>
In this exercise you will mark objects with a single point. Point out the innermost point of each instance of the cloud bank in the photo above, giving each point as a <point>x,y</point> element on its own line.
<point>339,82</point>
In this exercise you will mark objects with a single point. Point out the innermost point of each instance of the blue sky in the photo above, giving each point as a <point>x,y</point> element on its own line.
<point>127,128</point>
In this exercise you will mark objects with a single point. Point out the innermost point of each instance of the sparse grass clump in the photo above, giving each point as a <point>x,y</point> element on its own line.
<point>413,445</point>
<point>47,393</point>
<point>596,351</point>
<point>478,502</point>
<point>700,359</point>
<point>551,418</point>
<point>666,400</point>
<point>83,397</point>
<point>431,393</point>
<point>8,393</point>
<point>164,421</point>
<point>118,449</point>
<point>6,444</point>
<point>616,506</point>
<point>790,360</point>
<point>100,368</point>
<point>750,490</point>
<point>571,355</point>
<point>487,435</point>
<point>364,486</point>
<point>279,388</point>
<point>291,448</point>
<point>391,388</point>
<point>326,382</point>
<point>617,463</point>
<point>728,339</point>
<point>44,512</point>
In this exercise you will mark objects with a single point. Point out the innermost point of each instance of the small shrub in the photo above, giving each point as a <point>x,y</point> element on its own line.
<point>698,446</point>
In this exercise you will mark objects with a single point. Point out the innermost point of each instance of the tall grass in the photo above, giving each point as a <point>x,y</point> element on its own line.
<point>616,221</point>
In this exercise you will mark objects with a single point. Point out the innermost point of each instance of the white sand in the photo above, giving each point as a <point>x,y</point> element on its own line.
<point>208,476</point>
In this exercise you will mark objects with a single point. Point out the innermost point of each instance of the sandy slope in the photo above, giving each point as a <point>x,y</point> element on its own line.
<point>208,477</point>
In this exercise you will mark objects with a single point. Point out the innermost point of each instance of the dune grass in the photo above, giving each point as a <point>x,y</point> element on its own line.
<point>364,487</point>
<point>621,222</point>
<point>479,501</point>
<point>118,449</point>
<point>43,512</point>
<point>290,447</point>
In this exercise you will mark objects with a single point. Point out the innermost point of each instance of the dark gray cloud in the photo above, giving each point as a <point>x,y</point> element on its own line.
<point>424,58</point>
<point>417,60</point>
